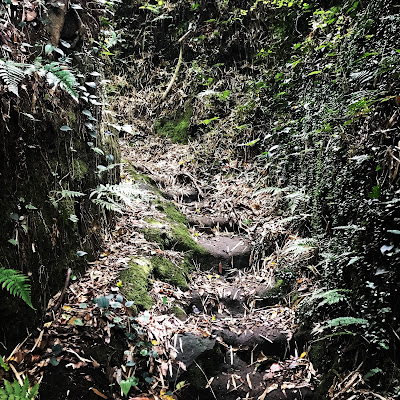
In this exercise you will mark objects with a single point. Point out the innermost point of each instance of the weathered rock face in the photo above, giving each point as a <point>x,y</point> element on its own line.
<point>47,171</point>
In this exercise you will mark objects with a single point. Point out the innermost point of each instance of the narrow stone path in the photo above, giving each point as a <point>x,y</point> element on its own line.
<point>234,341</point>
<point>181,304</point>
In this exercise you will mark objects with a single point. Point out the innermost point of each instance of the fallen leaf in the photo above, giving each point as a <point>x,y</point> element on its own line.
<point>99,393</point>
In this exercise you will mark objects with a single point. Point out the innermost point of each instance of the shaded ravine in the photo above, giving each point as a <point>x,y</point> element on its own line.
<point>226,334</point>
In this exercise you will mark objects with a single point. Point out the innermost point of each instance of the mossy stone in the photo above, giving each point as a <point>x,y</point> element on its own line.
<point>169,272</point>
<point>172,212</point>
<point>135,281</point>
<point>176,129</point>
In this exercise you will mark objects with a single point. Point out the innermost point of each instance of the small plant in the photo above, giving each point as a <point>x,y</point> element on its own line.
<point>16,284</point>
<point>15,391</point>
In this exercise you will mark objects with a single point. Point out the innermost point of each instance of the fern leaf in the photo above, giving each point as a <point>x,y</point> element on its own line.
<point>58,74</point>
<point>109,205</point>
<point>16,284</point>
<point>8,387</point>
<point>33,392</point>
<point>24,389</point>
<point>330,296</point>
<point>71,193</point>
<point>11,74</point>
<point>18,393</point>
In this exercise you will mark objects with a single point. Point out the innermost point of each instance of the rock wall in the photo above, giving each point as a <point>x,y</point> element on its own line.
<point>54,152</point>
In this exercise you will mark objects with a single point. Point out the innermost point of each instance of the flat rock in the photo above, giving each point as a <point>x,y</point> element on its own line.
<point>190,347</point>
<point>232,251</point>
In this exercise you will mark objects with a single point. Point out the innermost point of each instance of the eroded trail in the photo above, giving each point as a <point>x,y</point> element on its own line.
<point>182,304</point>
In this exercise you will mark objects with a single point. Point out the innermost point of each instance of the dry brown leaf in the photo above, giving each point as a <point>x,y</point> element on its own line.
<point>99,393</point>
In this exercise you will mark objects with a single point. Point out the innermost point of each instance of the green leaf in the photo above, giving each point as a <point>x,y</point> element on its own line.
<point>16,284</point>
<point>315,73</point>
<point>13,242</point>
<point>3,364</point>
<point>81,253</point>
<point>395,231</point>
<point>54,361</point>
<point>73,218</point>
<point>65,128</point>
<point>31,207</point>
<point>78,322</point>
<point>82,305</point>
<point>180,385</point>
<point>98,151</point>
<point>376,192</point>
<point>57,349</point>
<point>103,302</point>
<point>48,48</point>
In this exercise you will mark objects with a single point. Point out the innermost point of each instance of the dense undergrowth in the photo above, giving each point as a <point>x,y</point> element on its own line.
<point>310,93</point>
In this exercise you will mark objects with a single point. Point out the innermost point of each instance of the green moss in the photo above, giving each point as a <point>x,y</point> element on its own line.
<point>71,117</point>
<point>179,312</point>
<point>157,235</point>
<point>172,212</point>
<point>80,169</point>
<point>135,281</point>
<point>184,241</point>
<point>142,178</point>
<point>176,129</point>
<point>169,272</point>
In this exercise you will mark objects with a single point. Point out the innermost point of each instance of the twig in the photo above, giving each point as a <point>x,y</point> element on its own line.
<point>205,376</point>
<point>61,298</point>
<point>181,41</point>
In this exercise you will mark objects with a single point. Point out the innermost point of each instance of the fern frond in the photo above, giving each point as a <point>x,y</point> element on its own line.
<point>58,74</point>
<point>300,246</point>
<point>12,74</point>
<point>340,322</point>
<point>109,205</point>
<point>71,194</point>
<point>16,284</point>
<point>15,391</point>
<point>329,297</point>
<point>271,190</point>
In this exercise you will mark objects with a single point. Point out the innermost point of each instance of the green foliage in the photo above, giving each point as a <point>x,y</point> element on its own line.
<point>12,74</point>
<point>57,74</point>
<point>340,322</point>
<point>16,284</point>
<point>3,364</point>
<point>128,383</point>
<point>14,391</point>
<point>111,197</point>
<point>329,297</point>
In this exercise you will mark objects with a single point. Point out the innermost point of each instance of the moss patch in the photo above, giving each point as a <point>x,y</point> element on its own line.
<point>176,129</point>
<point>169,272</point>
<point>80,169</point>
<point>179,312</point>
<point>172,212</point>
<point>184,241</point>
<point>135,281</point>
